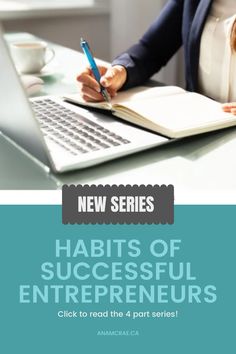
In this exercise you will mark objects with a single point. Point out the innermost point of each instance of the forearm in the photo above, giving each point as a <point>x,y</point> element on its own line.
<point>156,47</point>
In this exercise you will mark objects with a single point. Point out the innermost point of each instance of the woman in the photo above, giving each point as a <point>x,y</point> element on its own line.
<point>207,31</point>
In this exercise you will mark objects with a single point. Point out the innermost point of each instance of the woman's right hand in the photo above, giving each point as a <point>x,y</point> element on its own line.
<point>112,78</point>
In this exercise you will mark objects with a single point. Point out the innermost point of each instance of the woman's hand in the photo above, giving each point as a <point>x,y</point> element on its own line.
<point>112,78</point>
<point>230,107</point>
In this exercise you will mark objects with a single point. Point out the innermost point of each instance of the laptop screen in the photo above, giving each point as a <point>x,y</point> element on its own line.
<point>17,120</point>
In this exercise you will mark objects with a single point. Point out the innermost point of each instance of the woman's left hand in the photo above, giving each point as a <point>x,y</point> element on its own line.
<point>229,107</point>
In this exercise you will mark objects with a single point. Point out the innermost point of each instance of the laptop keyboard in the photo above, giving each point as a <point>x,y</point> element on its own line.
<point>71,131</point>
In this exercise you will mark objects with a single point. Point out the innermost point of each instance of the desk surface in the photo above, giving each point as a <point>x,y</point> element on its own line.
<point>200,165</point>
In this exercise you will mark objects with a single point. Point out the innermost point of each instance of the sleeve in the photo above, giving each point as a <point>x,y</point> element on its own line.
<point>156,47</point>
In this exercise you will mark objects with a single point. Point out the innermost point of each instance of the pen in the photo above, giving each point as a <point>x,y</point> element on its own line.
<point>85,47</point>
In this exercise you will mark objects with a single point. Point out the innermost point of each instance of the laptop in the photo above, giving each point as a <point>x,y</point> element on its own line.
<point>60,135</point>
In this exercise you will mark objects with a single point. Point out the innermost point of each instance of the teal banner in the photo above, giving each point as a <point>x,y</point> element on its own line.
<point>118,288</point>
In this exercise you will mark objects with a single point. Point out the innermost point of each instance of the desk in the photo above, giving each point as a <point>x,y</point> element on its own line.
<point>200,165</point>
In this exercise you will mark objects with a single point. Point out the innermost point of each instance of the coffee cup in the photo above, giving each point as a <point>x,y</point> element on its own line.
<point>31,57</point>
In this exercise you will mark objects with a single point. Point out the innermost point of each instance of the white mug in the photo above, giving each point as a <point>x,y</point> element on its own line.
<point>31,57</point>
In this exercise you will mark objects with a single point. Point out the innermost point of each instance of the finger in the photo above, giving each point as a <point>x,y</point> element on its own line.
<point>89,92</point>
<point>85,72</point>
<point>109,78</point>
<point>88,99</point>
<point>227,107</point>
<point>233,111</point>
<point>102,69</point>
<point>88,80</point>
<point>112,92</point>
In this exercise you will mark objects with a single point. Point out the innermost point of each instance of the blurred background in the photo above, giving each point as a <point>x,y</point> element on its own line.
<point>110,26</point>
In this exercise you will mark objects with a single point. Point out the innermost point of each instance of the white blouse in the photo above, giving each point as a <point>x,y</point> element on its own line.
<point>217,62</point>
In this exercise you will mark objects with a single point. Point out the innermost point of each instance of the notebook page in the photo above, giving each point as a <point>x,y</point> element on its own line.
<point>180,112</point>
<point>141,93</point>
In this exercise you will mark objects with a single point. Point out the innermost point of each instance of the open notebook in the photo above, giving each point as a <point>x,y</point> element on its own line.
<point>168,110</point>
